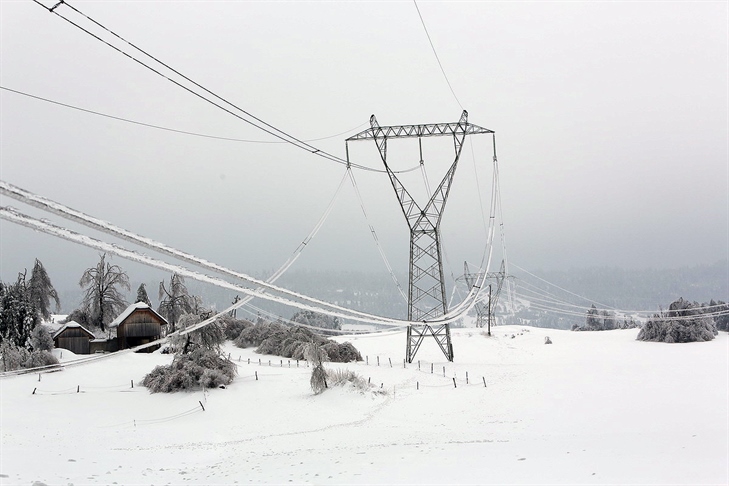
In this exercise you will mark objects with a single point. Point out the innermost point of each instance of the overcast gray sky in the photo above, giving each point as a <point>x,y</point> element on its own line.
<point>610,118</point>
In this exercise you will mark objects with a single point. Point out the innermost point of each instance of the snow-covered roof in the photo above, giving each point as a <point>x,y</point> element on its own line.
<point>70,325</point>
<point>128,311</point>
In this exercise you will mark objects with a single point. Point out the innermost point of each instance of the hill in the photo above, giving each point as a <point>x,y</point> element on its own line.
<point>591,408</point>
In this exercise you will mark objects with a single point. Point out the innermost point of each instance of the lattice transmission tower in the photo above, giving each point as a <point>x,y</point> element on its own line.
<point>485,308</point>
<point>426,286</point>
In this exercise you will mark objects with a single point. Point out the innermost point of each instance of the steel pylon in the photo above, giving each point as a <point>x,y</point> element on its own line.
<point>426,286</point>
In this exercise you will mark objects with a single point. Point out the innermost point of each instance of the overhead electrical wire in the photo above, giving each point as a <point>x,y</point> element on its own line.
<point>175,130</point>
<point>108,228</point>
<point>206,93</point>
<point>230,106</point>
<point>436,54</point>
<point>44,204</point>
<point>14,216</point>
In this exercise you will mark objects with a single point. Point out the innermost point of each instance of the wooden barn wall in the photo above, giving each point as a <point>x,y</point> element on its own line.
<point>139,329</point>
<point>75,344</point>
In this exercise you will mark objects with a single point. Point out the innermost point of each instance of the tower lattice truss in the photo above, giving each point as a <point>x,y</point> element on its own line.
<point>426,286</point>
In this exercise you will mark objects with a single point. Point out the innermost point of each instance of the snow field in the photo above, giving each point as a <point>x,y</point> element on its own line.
<point>592,408</point>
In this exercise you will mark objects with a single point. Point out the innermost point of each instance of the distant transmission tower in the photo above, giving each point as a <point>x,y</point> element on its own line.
<point>426,289</point>
<point>485,309</point>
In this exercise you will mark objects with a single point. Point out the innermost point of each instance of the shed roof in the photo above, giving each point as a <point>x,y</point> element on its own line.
<point>70,325</point>
<point>129,310</point>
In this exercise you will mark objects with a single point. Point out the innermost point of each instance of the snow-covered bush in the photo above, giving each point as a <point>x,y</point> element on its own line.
<point>683,323</point>
<point>255,335</point>
<point>232,327</point>
<point>13,358</point>
<point>40,339</point>
<point>202,367</point>
<point>290,342</point>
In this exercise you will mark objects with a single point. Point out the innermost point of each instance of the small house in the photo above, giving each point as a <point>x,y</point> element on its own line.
<point>74,337</point>
<point>138,324</point>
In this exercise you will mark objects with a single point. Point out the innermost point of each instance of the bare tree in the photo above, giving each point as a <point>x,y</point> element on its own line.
<point>103,298</point>
<point>175,300</point>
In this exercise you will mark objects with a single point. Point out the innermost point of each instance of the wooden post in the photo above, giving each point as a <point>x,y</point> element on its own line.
<point>256,375</point>
<point>431,368</point>
<point>418,365</point>
<point>444,371</point>
<point>34,389</point>
<point>390,360</point>
<point>378,361</point>
<point>417,385</point>
<point>484,381</point>
<point>132,383</point>
<point>78,388</point>
<point>454,382</point>
<point>203,407</point>
<point>38,376</point>
<point>466,377</point>
<point>367,360</point>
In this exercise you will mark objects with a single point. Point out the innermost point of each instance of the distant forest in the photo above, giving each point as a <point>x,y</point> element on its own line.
<point>375,292</point>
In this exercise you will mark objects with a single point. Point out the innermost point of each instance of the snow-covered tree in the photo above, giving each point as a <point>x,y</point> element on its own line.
<point>18,317</point>
<point>316,355</point>
<point>175,300</point>
<point>40,339</point>
<point>42,291</point>
<point>142,295</point>
<point>316,319</point>
<point>683,323</point>
<point>103,298</point>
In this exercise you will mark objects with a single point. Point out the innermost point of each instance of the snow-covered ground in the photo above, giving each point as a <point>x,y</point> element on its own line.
<point>591,408</point>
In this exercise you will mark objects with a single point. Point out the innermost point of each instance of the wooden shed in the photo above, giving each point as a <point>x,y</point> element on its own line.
<point>138,324</point>
<point>74,337</point>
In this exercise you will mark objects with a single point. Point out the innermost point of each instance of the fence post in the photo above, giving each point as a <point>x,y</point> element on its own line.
<point>38,376</point>
<point>444,371</point>
<point>378,361</point>
<point>466,377</point>
<point>431,368</point>
<point>34,389</point>
<point>390,360</point>
<point>256,375</point>
<point>78,388</point>
<point>417,385</point>
<point>484,381</point>
<point>418,365</point>
<point>454,382</point>
<point>132,383</point>
<point>203,407</point>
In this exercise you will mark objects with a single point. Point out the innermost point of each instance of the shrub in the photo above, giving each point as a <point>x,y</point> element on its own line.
<point>290,342</point>
<point>15,358</point>
<point>40,339</point>
<point>202,367</point>
<point>232,327</point>
<point>683,323</point>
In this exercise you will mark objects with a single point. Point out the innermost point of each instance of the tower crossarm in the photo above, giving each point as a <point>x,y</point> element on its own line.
<point>415,131</point>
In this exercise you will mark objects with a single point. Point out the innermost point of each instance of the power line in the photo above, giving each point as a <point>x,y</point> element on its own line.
<point>222,103</point>
<point>159,127</point>
<point>436,54</point>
